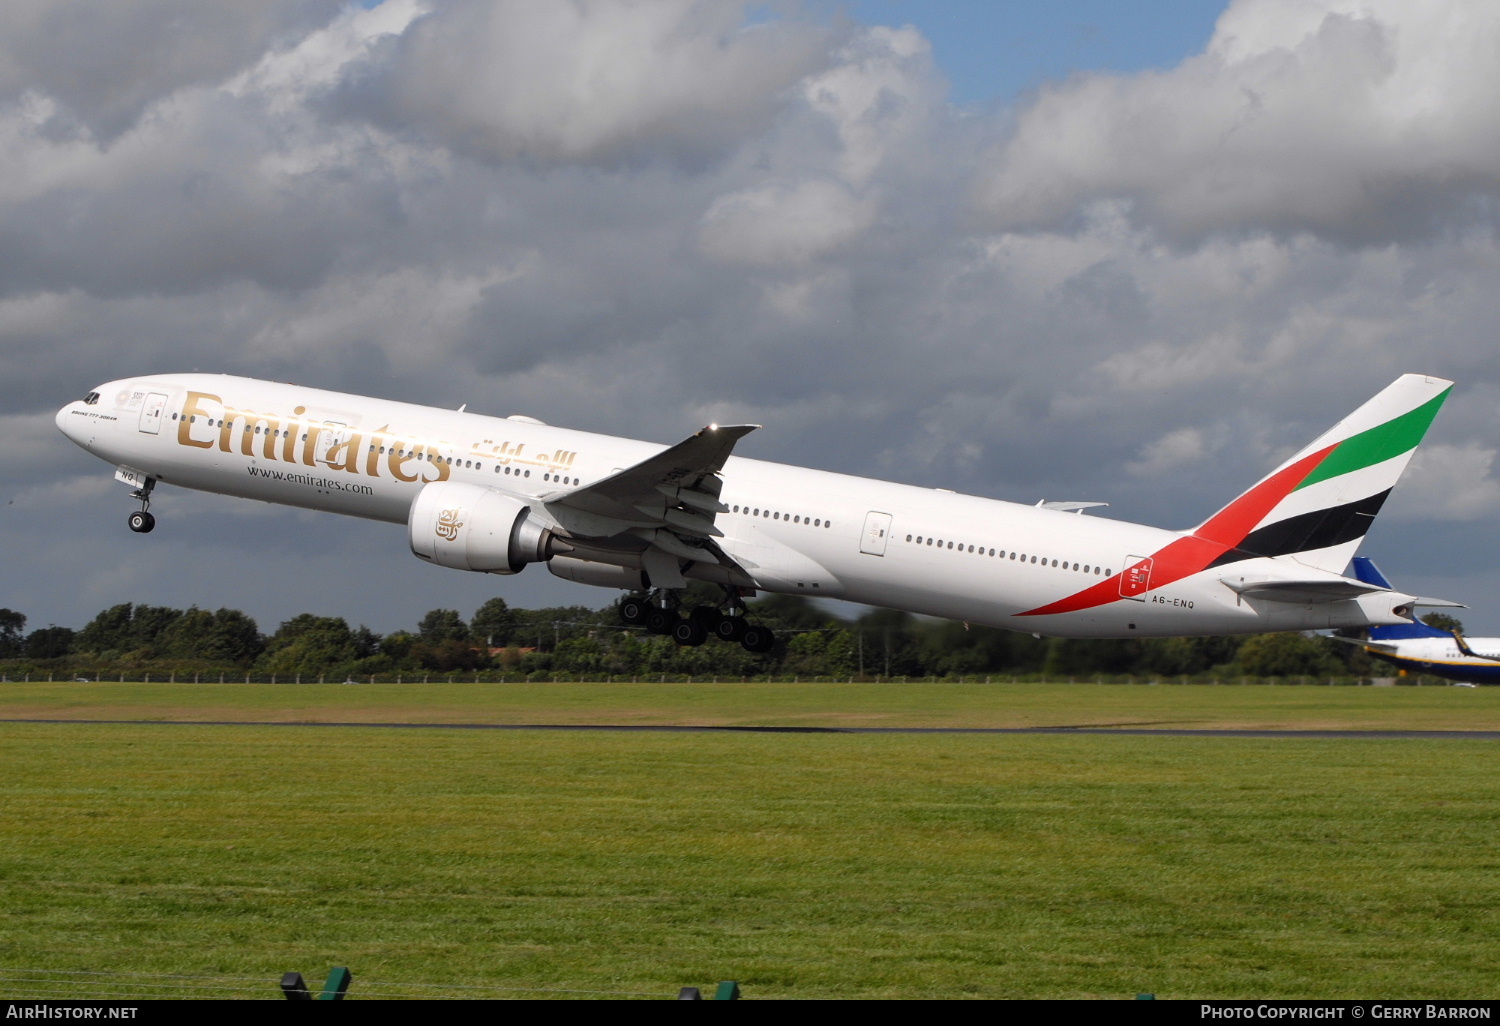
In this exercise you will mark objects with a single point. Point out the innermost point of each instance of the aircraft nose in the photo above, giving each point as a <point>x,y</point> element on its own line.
<point>65,420</point>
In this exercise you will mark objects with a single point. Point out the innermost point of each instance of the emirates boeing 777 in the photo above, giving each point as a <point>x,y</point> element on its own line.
<point>491,495</point>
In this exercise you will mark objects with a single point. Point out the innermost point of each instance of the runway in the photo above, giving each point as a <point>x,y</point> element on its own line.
<point>1330,735</point>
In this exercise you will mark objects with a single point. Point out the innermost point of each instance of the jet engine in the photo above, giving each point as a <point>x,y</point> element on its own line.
<point>470,527</point>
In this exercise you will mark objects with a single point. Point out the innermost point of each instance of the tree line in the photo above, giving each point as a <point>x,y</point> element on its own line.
<point>589,643</point>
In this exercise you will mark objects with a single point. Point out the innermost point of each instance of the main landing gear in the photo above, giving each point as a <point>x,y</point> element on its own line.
<point>141,521</point>
<point>659,614</point>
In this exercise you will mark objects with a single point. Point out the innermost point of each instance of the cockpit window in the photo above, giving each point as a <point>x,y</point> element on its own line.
<point>91,399</point>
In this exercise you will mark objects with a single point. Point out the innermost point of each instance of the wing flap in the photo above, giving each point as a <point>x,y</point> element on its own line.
<point>667,501</point>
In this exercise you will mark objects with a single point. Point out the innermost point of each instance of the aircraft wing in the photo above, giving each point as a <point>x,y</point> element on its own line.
<point>1463,646</point>
<point>668,500</point>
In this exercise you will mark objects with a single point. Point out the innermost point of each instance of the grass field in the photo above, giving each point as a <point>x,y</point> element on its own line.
<point>809,865</point>
<point>828,705</point>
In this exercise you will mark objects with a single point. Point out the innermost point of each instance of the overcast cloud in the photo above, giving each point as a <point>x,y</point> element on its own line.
<point>640,217</point>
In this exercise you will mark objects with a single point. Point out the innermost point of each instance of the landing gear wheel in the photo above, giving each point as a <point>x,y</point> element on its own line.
<point>634,611</point>
<point>757,639</point>
<point>142,522</point>
<point>729,628</point>
<point>661,621</point>
<point>689,633</point>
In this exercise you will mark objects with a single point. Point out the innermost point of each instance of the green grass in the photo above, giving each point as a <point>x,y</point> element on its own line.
<point>876,705</point>
<point>808,865</point>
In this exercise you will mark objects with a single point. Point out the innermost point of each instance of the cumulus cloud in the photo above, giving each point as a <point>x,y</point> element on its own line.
<point>1449,482</point>
<point>589,80</point>
<point>1359,120</point>
<point>103,64</point>
<point>1171,451</point>
<point>781,225</point>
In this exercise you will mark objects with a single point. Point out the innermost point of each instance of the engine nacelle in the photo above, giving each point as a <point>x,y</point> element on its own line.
<point>471,527</point>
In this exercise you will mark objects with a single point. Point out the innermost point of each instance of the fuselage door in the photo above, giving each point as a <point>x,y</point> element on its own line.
<point>1136,580</point>
<point>330,435</point>
<point>877,533</point>
<point>151,411</point>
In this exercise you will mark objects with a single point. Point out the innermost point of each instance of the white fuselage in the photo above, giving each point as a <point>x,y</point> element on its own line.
<point>1442,657</point>
<point>807,531</point>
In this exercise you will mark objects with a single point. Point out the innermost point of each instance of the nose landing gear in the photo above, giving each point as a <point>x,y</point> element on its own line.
<point>141,521</point>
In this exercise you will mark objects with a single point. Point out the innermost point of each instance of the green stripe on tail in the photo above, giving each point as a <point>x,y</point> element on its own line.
<point>1380,443</point>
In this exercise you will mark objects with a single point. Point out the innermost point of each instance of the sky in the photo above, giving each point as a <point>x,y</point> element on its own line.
<point>1126,252</point>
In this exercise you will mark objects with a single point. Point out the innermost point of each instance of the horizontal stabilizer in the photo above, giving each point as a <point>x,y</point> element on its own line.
<point>1319,590</point>
<point>1366,570</point>
<point>1069,505</point>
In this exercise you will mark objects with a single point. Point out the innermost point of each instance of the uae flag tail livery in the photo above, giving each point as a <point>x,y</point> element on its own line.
<point>491,494</point>
<point>1309,514</point>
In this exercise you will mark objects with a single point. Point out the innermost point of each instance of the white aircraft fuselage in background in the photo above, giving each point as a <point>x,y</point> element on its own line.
<point>492,494</point>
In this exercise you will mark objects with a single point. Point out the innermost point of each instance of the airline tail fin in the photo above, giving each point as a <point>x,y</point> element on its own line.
<point>1318,505</point>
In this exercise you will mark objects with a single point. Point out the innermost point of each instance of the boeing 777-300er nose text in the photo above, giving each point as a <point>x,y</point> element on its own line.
<point>493,494</point>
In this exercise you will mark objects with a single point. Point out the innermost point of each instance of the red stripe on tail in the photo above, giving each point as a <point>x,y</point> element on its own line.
<point>1194,552</point>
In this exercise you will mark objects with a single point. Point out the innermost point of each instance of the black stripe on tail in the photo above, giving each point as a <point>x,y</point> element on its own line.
<point>1308,531</point>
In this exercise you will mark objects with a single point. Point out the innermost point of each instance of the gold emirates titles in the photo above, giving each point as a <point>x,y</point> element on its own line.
<point>286,434</point>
